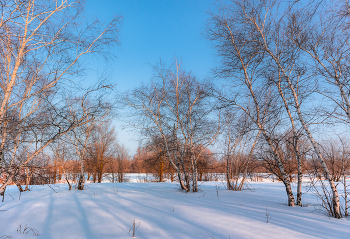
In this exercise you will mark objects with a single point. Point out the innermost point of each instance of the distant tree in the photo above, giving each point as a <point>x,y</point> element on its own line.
<point>96,110</point>
<point>156,160</point>
<point>136,165</point>
<point>238,134</point>
<point>205,162</point>
<point>102,149</point>
<point>118,165</point>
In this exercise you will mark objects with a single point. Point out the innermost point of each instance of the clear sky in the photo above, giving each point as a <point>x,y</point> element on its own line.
<point>153,30</point>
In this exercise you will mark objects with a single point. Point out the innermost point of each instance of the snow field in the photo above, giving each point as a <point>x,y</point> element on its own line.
<point>160,210</point>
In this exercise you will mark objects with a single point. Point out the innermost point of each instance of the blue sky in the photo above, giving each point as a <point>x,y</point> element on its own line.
<point>152,30</point>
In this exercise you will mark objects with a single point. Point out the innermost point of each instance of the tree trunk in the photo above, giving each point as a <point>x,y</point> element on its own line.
<point>286,181</point>
<point>187,188</point>
<point>10,177</point>
<point>295,136</point>
<point>182,184</point>
<point>346,198</point>
<point>3,186</point>
<point>345,191</point>
<point>81,182</point>
<point>300,178</point>
<point>161,169</point>
<point>194,175</point>
<point>336,204</point>
<point>3,194</point>
<point>28,177</point>
<point>228,178</point>
<point>19,186</point>
<point>69,185</point>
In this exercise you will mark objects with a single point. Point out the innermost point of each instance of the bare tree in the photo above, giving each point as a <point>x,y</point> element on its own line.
<point>177,107</point>
<point>102,148</point>
<point>122,158</point>
<point>237,140</point>
<point>277,41</point>
<point>41,43</point>
<point>243,66</point>
<point>96,111</point>
<point>60,153</point>
<point>118,165</point>
<point>279,37</point>
<point>155,160</point>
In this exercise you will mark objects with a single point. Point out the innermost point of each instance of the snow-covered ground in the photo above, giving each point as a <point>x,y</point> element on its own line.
<point>160,210</point>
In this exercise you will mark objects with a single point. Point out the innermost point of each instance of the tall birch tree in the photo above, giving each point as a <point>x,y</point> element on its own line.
<point>176,106</point>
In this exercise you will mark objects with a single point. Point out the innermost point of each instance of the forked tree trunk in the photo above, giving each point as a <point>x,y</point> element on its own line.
<point>177,166</point>
<point>69,185</point>
<point>291,201</point>
<point>187,181</point>
<point>285,176</point>
<point>295,136</point>
<point>175,161</point>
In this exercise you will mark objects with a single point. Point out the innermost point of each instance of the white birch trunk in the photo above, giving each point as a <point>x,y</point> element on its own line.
<point>336,204</point>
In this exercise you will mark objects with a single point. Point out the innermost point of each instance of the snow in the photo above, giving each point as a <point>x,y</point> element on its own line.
<point>161,210</point>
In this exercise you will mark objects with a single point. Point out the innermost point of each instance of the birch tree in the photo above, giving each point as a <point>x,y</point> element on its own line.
<point>263,19</point>
<point>280,38</point>
<point>41,44</point>
<point>238,138</point>
<point>175,106</point>
<point>243,65</point>
<point>289,61</point>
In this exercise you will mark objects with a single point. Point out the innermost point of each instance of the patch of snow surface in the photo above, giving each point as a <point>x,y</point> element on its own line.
<point>160,210</point>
